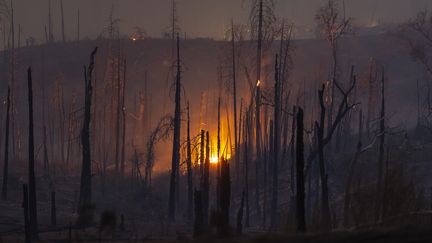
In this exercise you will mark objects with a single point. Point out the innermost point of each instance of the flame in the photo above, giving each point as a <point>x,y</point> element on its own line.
<point>134,39</point>
<point>258,83</point>
<point>214,159</point>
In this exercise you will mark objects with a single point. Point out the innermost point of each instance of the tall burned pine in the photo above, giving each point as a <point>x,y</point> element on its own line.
<point>6,151</point>
<point>86,174</point>
<point>276,144</point>
<point>123,93</point>
<point>31,166</point>
<point>300,192</point>
<point>234,80</point>
<point>325,207</point>
<point>189,168</point>
<point>258,104</point>
<point>206,181</point>
<point>380,187</point>
<point>176,140</point>
<point>62,21</point>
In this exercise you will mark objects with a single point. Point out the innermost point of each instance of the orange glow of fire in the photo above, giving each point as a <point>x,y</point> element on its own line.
<point>258,83</point>
<point>214,160</point>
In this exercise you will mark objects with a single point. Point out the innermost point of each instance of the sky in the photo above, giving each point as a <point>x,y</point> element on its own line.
<point>198,18</point>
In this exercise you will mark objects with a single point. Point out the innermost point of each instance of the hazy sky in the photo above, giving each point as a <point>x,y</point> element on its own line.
<point>204,18</point>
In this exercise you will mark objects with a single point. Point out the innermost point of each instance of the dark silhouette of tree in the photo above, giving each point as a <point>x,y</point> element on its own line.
<point>382,138</point>
<point>332,24</point>
<point>206,182</point>
<point>300,192</point>
<point>189,168</point>
<point>6,151</point>
<point>32,179</point>
<point>276,144</point>
<point>85,196</point>
<point>176,140</point>
<point>343,108</point>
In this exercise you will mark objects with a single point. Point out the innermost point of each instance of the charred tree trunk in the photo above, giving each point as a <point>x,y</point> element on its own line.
<point>85,197</point>
<point>189,168</point>
<point>325,207</point>
<point>6,151</point>
<point>32,179</point>
<point>176,140</point>
<point>246,161</point>
<point>123,152</point>
<point>257,107</point>
<point>276,145</point>
<point>206,181</point>
<point>218,165</point>
<point>62,21</point>
<point>201,158</point>
<point>300,195</point>
<point>117,88</point>
<point>380,192</point>
<point>234,78</point>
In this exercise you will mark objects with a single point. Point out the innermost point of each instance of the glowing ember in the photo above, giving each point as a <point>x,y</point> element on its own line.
<point>258,83</point>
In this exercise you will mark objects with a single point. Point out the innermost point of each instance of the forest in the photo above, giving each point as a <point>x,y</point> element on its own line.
<point>260,136</point>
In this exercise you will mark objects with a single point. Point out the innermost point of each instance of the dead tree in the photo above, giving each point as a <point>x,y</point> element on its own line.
<point>239,227</point>
<point>176,139</point>
<point>246,142</point>
<point>50,25</point>
<point>300,192</point>
<point>123,152</point>
<point>234,80</point>
<point>218,165</point>
<point>160,132</point>
<point>206,182</point>
<point>276,144</point>
<point>32,179</point>
<point>380,187</point>
<point>62,21</point>
<point>333,25</point>
<point>201,157</point>
<point>189,168</point>
<point>343,109</point>
<point>6,151</point>
<point>86,172</point>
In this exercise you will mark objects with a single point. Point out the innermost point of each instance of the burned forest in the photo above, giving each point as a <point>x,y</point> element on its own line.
<point>231,120</point>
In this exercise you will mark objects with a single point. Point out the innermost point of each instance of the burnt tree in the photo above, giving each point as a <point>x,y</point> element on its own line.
<point>86,173</point>
<point>176,140</point>
<point>276,144</point>
<point>189,168</point>
<point>31,165</point>
<point>300,192</point>
<point>6,155</point>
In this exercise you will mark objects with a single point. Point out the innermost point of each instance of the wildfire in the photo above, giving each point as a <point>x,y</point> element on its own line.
<point>214,159</point>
